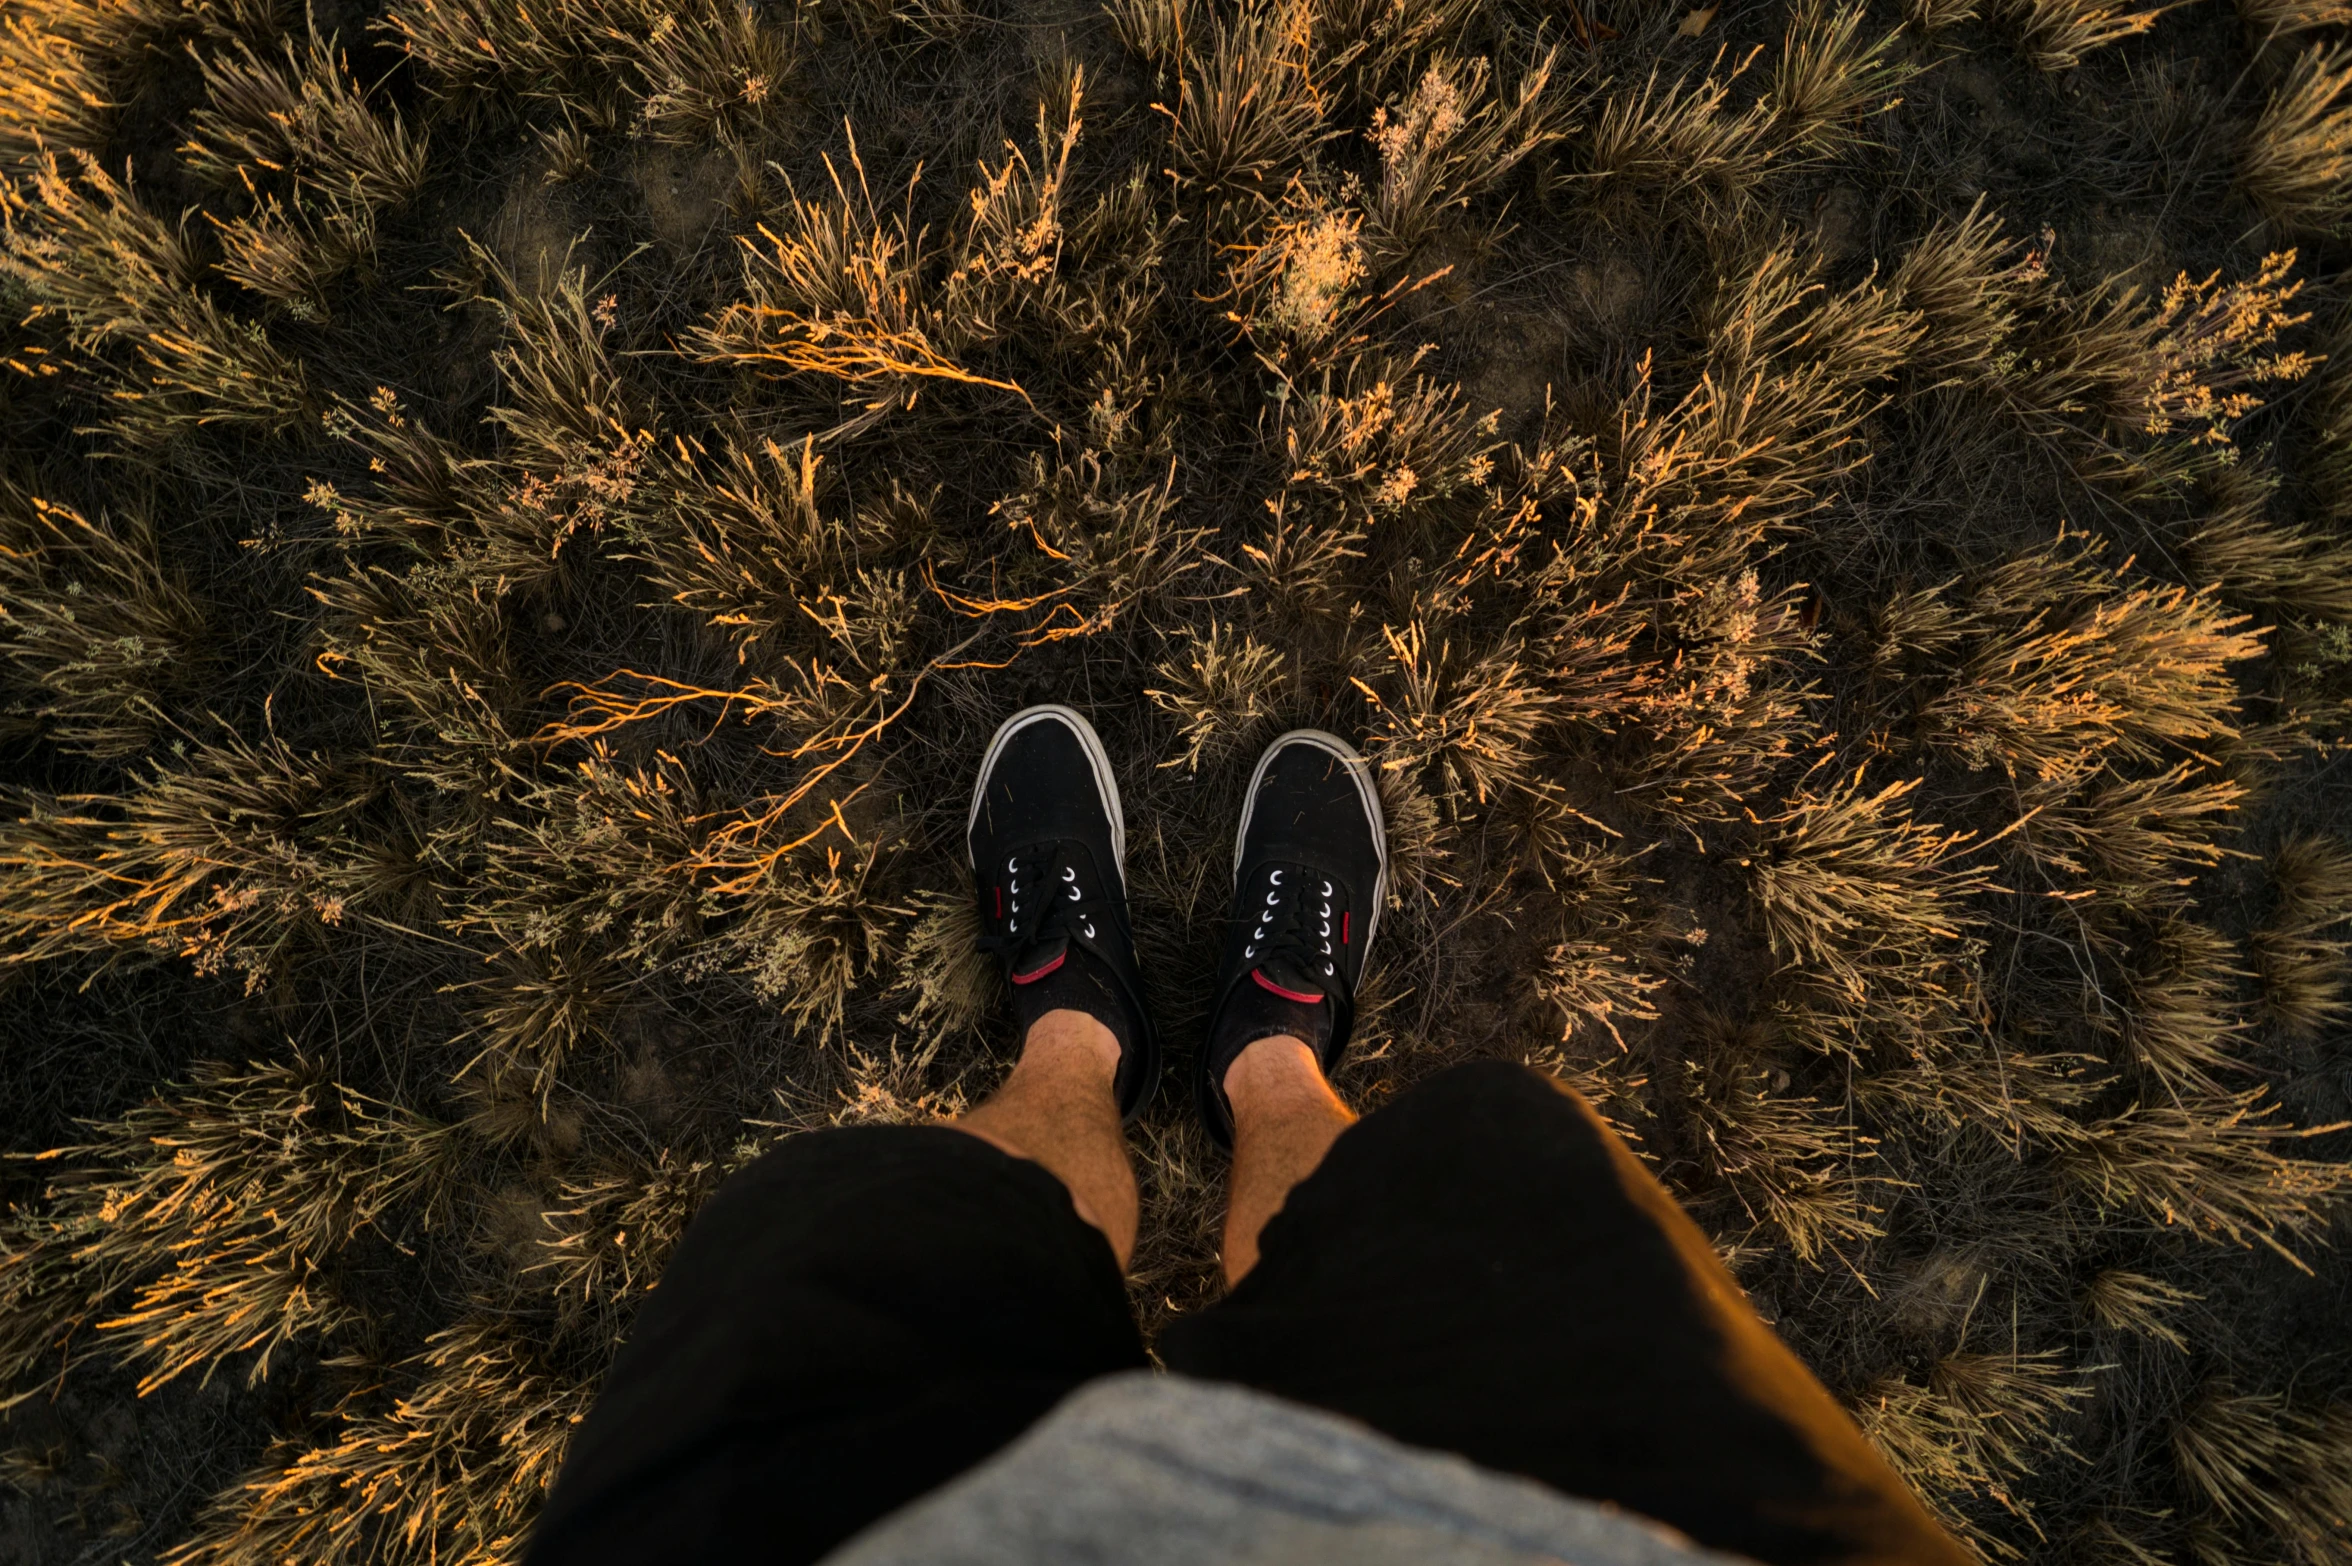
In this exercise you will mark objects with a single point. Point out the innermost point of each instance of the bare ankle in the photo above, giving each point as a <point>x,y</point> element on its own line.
<point>1278,1074</point>
<point>1071,1040</point>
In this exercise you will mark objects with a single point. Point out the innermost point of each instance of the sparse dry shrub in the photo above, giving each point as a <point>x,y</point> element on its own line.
<point>1227,685</point>
<point>951,985</point>
<point>2205,1165</point>
<point>1680,144</point>
<point>809,930</point>
<point>2296,162</point>
<point>85,250</point>
<point>1828,78</point>
<point>1936,16</point>
<point>2299,949</point>
<point>1981,1421</point>
<point>1787,1160</point>
<point>1117,554</point>
<point>1010,247</point>
<point>2143,389</point>
<point>53,92</point>
<point>226,859</point>
<point>1717,718</point>
<point>2107,669</point>
<point>2126,844</point>
<point>2270,20</point>
<point>1789,372</point>
<point>316,160</point>
<point>1154,30</point>
<point>1594,982</point>
<point>2252,1458</point>
<point>610,1233</point>
<point>753,543</point>
<point>2177,1015</point>
<point>430,645</point>
<point>1848,880</point>
<point>302,118</point>
<point>1382,446</point>
<point>2054,35</point>
<point>1595,973</point>
<point>1968,285</point>
<point>419,486</point>
<point>1450,139</point>
<point>445,1472</point>
<point>107,639</point>
<point>598,851</point>
<point>207,1225</point>
<point>714,70</point>
<point>2121,1300</point>
<point>1297,563</point>
<point>895,1087</point>
<point>1298,286</point>
<point>1472,719</point>
<point>284,257</point>
<point>840,293</point>
<point>468,50</point>
<point>1955,1079</point>
<point>1369,47</point>
<point>1247,114</point>
<point>2251,558</point>
<point>542,1008</point>
<point>568,409</point>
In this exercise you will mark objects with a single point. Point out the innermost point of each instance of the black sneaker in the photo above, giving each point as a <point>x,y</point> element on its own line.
<point>1049,863</point>
<point>1310,870</point>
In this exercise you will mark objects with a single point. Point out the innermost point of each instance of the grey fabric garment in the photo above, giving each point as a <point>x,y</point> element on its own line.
<point>1158,1470</point>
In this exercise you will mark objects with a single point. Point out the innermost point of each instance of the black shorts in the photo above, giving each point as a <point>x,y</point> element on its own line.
<point>1481,1267</point>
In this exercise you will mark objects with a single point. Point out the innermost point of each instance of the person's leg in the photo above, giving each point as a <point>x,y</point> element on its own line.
<point>859,1316</point>
<point>1056,1108</point>
<point>1285,1118</point>
<point>1483,1267</point>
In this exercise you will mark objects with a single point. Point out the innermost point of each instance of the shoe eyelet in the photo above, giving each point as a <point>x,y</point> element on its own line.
<point>1326,910</point>
<point>1069,872</point>
<point>1073,894</point>
<point>1326,948</point>
<point>1327,889</point>
<point>1326,930</point>
<point>1249,951</point>
<point>1090,929</point>
<point>1013,863</point>
<point>1274,877</point>
<point>1272,898</point>
<point>1327,970</point>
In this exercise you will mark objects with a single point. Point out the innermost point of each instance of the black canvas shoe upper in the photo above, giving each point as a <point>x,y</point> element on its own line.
<point>1310,871</point>
<point>1048,852</point>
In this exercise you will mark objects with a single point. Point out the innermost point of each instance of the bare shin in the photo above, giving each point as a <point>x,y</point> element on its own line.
<point>1285,1118</point>
<point>1057,1109</point>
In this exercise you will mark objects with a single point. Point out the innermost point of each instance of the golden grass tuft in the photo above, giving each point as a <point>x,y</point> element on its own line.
<point>2299,949</point>
<point>206,1228</point>
<point>2297,157</point>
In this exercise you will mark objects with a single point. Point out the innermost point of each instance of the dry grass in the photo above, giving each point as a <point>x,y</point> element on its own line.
<point>517,519</point>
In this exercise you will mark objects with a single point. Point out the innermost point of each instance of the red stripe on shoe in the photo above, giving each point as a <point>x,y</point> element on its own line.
<point>1032,978</point>
<point>999,891</point>
<point>1343,927</point>
<point>1265,983</point>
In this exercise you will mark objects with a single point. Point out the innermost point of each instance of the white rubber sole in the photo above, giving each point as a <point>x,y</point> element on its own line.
<point>1096,757</point>
<point>1359,772</point>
